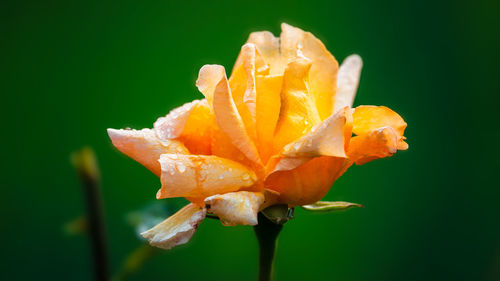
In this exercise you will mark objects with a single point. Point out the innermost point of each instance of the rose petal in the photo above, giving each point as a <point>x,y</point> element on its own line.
<point>279,163</point>
<point>191,124</point>
<point>298,113</point>
<point>172,125</point>
<point>200,176</point>
<point>347,82</point>
<point>144,147</point>
<point>243,89</point>
<point>295,43</point>
<point>177,229</point>
<point>212,82</point>
<point>230,122</point>
<point>268,110</point>
<point>268,46</point>
<point>222,146</point>
<point>367,118</point>
<point>261,67</point>
<point>328,138</point>
<point>208,78</point>
<point>308,182</point>
<point>377,144</point>
<point>236,207</point>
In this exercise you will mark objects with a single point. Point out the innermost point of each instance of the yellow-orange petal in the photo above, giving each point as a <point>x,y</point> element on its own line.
<point>268,46</point>
<point>268,111</point>
<point>236,208</point>
<point>191,124</point>
<point>347,82</point>
<point>308,182</point>
<point>172,125</point>
<point>177,229</point>
<point>208,78</point>
<point>377,144</point>
<point>296,43</point>
<point>298,113</point>
<point>243,88</point>
<point>144,147</point>
<point>230,122</point>
<point>200,176</point>
<point>279,163</point>
<point>261,67</point>
<point>328,138</point>
<point>367,118</point>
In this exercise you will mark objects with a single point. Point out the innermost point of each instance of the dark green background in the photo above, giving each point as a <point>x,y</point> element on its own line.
<point>71,70</point>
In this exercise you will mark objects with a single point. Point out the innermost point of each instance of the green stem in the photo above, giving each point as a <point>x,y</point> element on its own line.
<point>86,166</point>
<point>267,233</point>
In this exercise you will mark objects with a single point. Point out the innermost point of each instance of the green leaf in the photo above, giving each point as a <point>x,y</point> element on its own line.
<point>278,214</point>
<point>329,206</point>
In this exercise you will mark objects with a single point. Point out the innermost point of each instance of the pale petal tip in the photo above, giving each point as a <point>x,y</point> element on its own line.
<point>115,134</point>
<point>112,132</point>
<point>285,25</point>
<point>177,229</point>
<point>354,59</point>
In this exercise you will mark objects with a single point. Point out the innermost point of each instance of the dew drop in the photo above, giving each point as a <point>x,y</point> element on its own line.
<point>296,146</point>
<point>180,167</point>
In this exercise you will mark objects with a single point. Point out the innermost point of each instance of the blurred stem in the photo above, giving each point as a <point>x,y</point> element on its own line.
<point>267,233</point>
<point>85,164</point>
<point>135,261</point>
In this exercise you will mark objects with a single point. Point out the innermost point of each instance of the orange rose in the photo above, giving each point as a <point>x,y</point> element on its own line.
<point>279,130</point>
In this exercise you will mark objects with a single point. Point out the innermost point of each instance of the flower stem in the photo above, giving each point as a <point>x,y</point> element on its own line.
<point>267,233</point>
<point>86,166</point>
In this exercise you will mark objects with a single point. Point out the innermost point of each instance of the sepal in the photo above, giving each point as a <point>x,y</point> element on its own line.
<point>330,206</point>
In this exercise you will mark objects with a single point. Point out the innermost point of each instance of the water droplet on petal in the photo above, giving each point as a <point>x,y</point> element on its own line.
<point>296,146</point>
<point>180,167</point>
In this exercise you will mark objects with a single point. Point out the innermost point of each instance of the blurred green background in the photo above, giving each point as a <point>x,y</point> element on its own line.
<point>69,70</point>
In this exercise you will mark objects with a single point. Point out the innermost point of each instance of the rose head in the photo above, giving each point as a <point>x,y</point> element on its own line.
<point>278,131</point>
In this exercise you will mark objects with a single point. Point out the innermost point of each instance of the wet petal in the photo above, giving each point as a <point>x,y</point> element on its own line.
<point>347,82</point>
<point>308,182</point>
<point>298,113</point>
<point>243,89</point>
<point>295,43</point>
<point>236,207</point>
<point>144,147</point>
<point>268,110</point>
<point>230,122</point>
<point>200,176</point>
<point>329,138</point>
<point>177,229</point>
<point>377,144</point>
<point>261,67</point>
<point>367,118</point>
<point>222,146</point>
<point>208,78</point>
<point>280,163</point>
<point>172,125</point>
<point>268,46</point>
<point>191,124</point>
<point>212,82</point>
